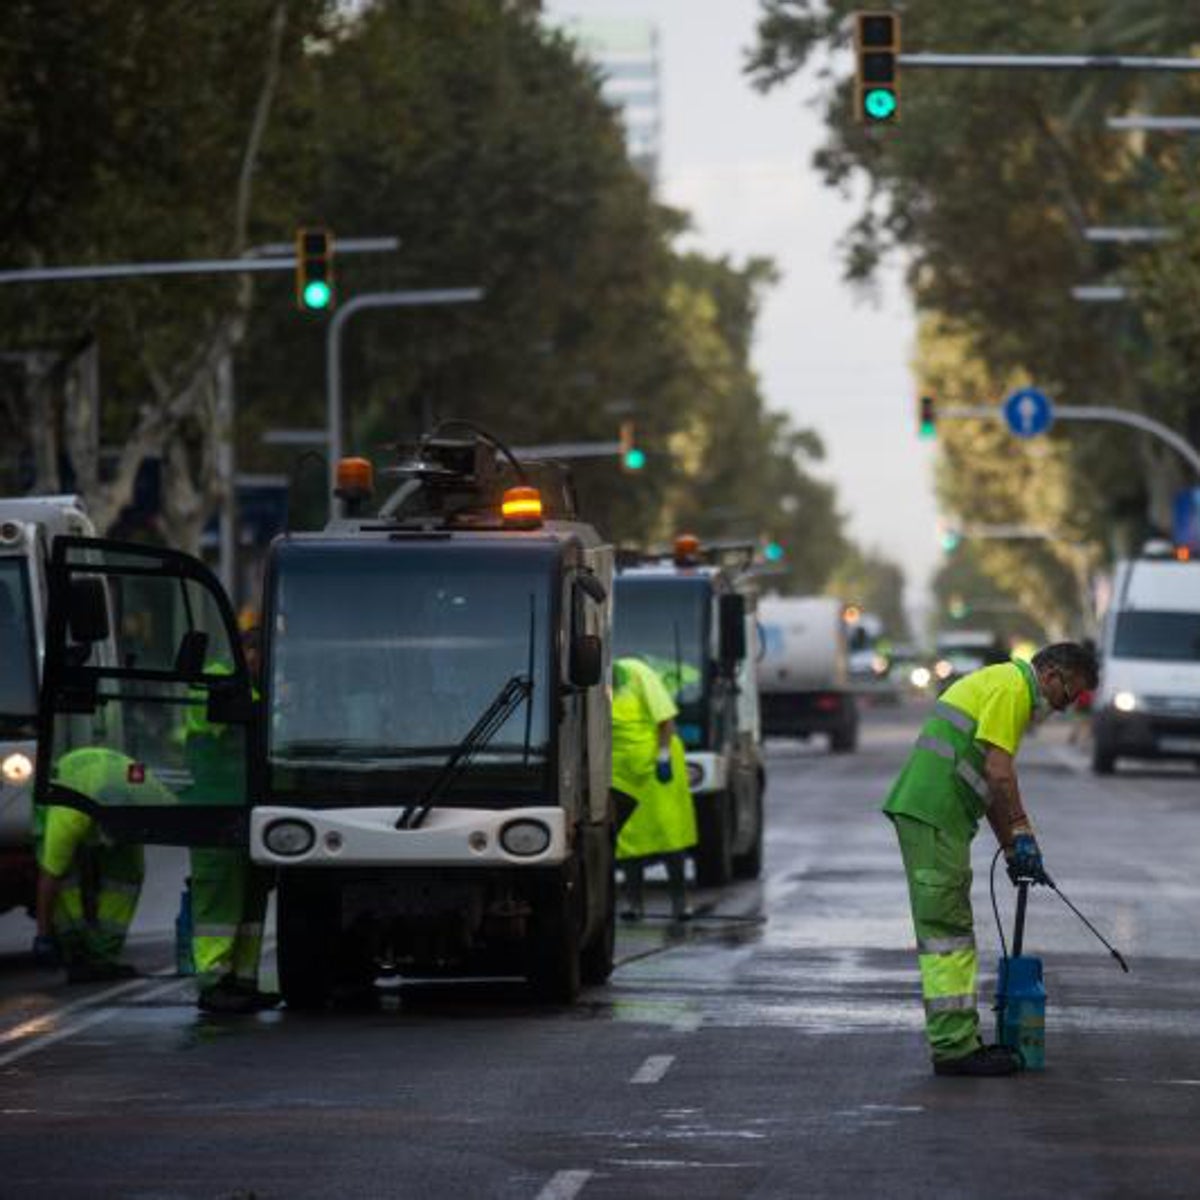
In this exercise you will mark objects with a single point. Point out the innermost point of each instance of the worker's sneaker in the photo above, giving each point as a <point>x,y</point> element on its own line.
<point>98,971</point>
<point>225,998</point>
<point>985,1061</point>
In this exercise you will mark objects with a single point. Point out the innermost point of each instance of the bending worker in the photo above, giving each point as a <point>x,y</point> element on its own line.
<point>88,888</point>
<point>649,775</point>
<point>961,768</point>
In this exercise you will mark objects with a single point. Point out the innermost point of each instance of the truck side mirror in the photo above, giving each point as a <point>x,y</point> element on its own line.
<point>591,586</point>
<point>87,610</point>
<point>732,637</point>
<point>587,660</point>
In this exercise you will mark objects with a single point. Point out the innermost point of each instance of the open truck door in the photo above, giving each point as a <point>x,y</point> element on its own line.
<point>145,666</point>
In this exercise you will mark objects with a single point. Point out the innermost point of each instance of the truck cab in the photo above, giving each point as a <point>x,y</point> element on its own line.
<point>425,761</point>
<point>1148,701</point>
<point>694,622</point>
<point>28,525</point>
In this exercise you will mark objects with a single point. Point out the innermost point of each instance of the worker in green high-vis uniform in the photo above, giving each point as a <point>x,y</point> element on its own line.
<point>229,892</point>
<point>961,768</point>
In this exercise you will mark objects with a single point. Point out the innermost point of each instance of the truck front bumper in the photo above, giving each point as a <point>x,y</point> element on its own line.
<point>1147,733</point>
<point>449,837</point>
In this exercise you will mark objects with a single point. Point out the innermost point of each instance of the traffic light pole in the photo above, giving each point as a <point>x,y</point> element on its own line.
<point>1095,413</point>
<point>333,355</point>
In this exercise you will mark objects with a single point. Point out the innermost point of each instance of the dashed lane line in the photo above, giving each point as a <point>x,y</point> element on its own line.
<point>564,1185</point>
<point>653,1069</point>
<point>100,1011</point>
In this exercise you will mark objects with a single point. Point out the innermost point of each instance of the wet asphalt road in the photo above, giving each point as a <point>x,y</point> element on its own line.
<point>772,1050</point>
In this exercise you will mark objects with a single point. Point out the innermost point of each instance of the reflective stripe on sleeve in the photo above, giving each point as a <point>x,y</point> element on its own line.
<point>936,746</point>
<point>956,717</point>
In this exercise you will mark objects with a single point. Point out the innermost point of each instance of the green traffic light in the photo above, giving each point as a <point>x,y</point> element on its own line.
<point>635,459</point>
<point>317,294</point>
<point>879,104</point>
<point>927,431</point>
<point>773,552</point>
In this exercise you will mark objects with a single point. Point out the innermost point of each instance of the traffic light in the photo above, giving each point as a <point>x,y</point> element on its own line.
<point>927,419</point>
<point>958,607</point>
<point>877,49</point>
<point>633,457</point>
<point>773,552</point>
<point>949,539</point>
<point>314,270</point>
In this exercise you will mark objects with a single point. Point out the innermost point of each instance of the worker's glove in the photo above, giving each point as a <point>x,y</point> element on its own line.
<point>1025,860</point>
<point>662,768</point>
<point>46,952</point>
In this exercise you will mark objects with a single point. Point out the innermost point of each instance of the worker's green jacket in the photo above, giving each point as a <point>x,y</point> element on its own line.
<point>943,783</point>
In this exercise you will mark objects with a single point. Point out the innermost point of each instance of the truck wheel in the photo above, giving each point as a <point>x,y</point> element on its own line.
<point>309,918</point>
<point>553,947</point>
<point>1104,761</point>
<point>596,961</point>
<point>844,739</point>
<point>713,854</point>
<point>749,864</point>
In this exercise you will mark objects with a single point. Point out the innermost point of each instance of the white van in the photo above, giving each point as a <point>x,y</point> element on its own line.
<point>1148,702</point>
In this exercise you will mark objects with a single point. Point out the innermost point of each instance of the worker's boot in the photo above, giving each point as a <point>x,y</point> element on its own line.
<point>982,1062</point>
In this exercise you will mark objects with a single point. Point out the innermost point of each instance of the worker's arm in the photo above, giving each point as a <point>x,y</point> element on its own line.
<point>1006,814</point>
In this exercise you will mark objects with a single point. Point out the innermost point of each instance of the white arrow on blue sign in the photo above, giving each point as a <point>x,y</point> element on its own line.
<point>1028,412</point>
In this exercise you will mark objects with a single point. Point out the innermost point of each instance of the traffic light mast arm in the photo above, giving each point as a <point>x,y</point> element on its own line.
<point>1087,412</point>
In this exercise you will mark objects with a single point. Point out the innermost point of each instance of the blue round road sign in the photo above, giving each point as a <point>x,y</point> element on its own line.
<point>1028,412</point>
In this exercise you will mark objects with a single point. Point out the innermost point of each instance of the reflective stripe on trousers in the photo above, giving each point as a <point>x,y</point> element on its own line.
<point>939,887</point>
<point>229,901</point>
<point>98,901</point>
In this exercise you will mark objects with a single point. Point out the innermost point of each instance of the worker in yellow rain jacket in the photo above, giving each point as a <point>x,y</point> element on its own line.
<point>960,769</point>
<point>650,774</point>
<point>229,893</point>
<point>88,888</point>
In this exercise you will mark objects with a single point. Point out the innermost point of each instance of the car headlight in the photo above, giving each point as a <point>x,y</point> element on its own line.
<point>1124,702</point>
<point>17,768</point>
<point>695,774</point>
<point>289,837</point>
<point>525,838</point>
<point>920,677</point>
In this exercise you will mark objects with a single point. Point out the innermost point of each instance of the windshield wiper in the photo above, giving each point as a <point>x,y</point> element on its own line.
<point>516,691</point>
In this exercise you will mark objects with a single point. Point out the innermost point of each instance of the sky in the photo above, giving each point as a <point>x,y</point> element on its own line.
<point>838,363</point>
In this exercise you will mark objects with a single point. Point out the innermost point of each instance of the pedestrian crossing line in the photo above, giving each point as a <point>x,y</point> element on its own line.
<point>564,1185</point>
<point>653,1069</point>
<point>100,1011</point>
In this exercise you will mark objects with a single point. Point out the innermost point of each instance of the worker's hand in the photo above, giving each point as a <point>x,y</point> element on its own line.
<point>1025,860</point>
<point>46,952</point>
<point>662,768</point>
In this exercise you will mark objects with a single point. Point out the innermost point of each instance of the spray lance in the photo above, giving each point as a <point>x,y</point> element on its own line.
<point>1020,990</point>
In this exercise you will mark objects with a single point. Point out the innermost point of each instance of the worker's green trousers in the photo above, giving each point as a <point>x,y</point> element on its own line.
<point>938,866</point>
<point>97,901</point>
<point>229,905</point>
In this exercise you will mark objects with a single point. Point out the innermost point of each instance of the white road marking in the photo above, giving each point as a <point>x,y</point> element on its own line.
<point>564,1185</point>
<point>40,1041</point>
<point>653,1069</point>
<point>47,1019</point>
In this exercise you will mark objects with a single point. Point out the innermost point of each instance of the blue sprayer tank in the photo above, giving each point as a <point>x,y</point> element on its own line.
<point>1021,996</point>
<point>185,964</point>
<point>1021,1009</point>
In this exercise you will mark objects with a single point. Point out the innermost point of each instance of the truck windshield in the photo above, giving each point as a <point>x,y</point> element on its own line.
<point>1166,636</point>
<point>664,622</point>
<point>18,652</point>
<point>383,657</point>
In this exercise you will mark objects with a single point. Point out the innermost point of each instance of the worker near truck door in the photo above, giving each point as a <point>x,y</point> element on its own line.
<point>228,892</point>
<point>88,888</point>
<point>961,768</point>
<point>650,773</point>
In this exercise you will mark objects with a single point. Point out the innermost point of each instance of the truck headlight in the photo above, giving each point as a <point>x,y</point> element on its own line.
<point>17,768</point>
<point>695,774</point>
<point>289,837</point>
<point>1124,702</point>
<point>525,838</point>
